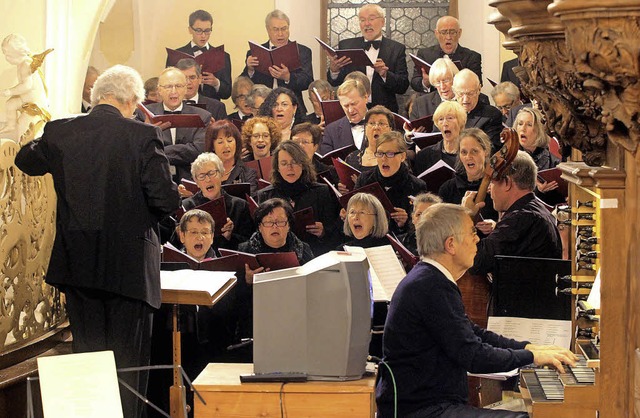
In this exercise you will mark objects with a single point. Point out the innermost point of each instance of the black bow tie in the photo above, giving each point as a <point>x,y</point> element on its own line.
<point>374,44</point>
<point>245,117</point>
<point>199,48</point>
<point>176,112</point>
<point>361,123</point>
<point>190,102</point>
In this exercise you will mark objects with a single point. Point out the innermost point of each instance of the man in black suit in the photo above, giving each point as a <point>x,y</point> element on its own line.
<point>448,33</point>
<point>191,70</point>
<point>181,145</point>
<point>277,24</point>
<point>466,86</point>
<point>113,184</point>
<point>218,85</point>
<point>389,75</point>
<point>350,128</point>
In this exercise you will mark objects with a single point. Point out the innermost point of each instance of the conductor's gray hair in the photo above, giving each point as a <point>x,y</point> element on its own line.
<point>122,83</point>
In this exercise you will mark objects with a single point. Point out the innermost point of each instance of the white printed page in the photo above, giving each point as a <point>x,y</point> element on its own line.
<point>537,331</point>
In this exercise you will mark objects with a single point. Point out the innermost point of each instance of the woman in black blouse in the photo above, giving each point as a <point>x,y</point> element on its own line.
<point>293,179</point>
<point>474,154</point>
<point>393,174</point>
<point>450,118</point>
<point>223,139</point>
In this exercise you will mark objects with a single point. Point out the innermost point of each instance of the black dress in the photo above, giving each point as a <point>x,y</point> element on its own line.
<point>243,174</point>
<point>452,191</point>
<point>316,196</point>
<point>430,155</point>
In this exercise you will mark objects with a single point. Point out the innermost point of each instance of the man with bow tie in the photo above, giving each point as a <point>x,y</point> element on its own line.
<point>277,25</point>
<point>389,75</point>
<point>215,85</point>
<point>181,145</point>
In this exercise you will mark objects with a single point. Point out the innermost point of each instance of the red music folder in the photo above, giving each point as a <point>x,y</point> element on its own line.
<point>554,174</point>
<point>436,175</point>
<point>253,205</point>
<point>215,208</point>
<point>210,61</point>
<point>172,255</point>
<point>345,172</point>
<point>425,139</point>
<point>358,57</point>
<point>407,256</point>
<point>287,55</point>
<point>190,185</point>
<point>262,167</point>
<point>237,189</point>
<point>271,261</point>
<point>301,219</point>
<point>425,121</point>
<point>420,63</point>
<point>262,183</point>
<point>336,153</point>
<point>331,109</point>
<point>177,121</point>
<point>373,188</point>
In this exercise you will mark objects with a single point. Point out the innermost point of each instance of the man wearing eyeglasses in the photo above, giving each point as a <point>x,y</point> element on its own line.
<point>181,145</point>
<point>218,85</point>
<point>466,87</point>
<point>191,70</point>
<point>389,75</point>
<point>448,33</point>
<point>277,24</point>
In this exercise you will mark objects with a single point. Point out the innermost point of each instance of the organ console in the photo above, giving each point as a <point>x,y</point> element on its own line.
<point>586,390</point>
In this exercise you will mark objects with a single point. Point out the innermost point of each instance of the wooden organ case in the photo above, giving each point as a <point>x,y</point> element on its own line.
<point>596,210</point>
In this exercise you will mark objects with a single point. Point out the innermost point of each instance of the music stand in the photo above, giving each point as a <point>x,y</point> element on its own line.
<point>193,295</point>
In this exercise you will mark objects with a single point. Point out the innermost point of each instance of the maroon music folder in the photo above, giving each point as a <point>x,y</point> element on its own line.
<point>190,185</point>
<point>271,261</point>
<point>358,57</point>
<point>407,256</point>
<point>331,109</point>
<point>177,121</point>
<point>425,139</point>
<point>436,175</point>
<point>336,153</point>
<point>218,212</point>
<point>554,174</point>
<point>345,172</point>
<point>373,188</point>
<point>262,167</point>
<point>425,122</point>
<point>210,61</point>
<point>287,55</point>
<point>253,205</point>
<point>301,219</point>
<point>420,63</point>
<point>237,189</point>
<point>171,254</point>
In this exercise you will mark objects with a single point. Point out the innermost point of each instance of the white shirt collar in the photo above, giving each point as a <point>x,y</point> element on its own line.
<point>440,267</point>
<point>177,109</point>
<point>193,45</point>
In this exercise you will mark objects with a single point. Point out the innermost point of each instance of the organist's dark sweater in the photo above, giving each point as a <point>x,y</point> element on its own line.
<point>430,344</point>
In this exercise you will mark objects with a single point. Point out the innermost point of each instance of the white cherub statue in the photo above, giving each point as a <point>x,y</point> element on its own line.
<point>29,95</point>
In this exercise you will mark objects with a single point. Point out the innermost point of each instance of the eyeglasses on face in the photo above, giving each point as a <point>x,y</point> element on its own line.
<point>265,135</point>
<point>469,93</point>
<point>388,154</point>
<point>450,32</point>
<point>172,86</point>
<point>192,77</point>
<point>201,31</point>
<point>283,29</point>
<point>279,224</point>
<point>441,83</point>
<point>197,234</point>
<point>448,118</point>
<point>208,174</point>
<point>358,213</point>
<point>303,141</point>
<point>378,124</point>
<point>369,19</point>
<point>285,164</point>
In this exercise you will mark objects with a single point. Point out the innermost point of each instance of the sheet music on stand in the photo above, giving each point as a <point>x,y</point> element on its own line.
<point>385,270</point>
<point>594,296</point>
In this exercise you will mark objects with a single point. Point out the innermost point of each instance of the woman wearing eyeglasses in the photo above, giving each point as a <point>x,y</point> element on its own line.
<point>377,121</point>
<point>393,174</point>
<point>293,179</point>
<point>282,105</point>
<point>366,223</point>
<point>473,157</point>
<point>223,139</point>
<point>260,136</point>
<point>207,172</point>
<point>450,118</point>
<point>309,136</point>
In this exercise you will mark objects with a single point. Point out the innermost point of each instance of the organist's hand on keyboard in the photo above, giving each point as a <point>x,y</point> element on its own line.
<point>551,355</point>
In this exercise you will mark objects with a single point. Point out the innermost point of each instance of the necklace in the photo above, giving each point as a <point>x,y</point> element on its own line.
<point>227,172</point>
